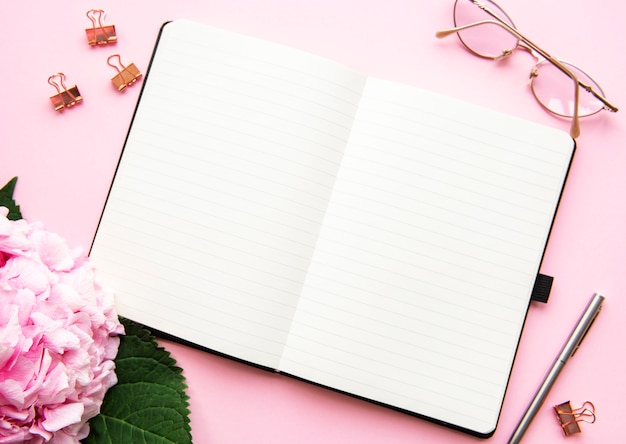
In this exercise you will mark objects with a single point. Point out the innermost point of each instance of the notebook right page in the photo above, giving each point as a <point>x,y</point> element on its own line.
<point>422,275</point>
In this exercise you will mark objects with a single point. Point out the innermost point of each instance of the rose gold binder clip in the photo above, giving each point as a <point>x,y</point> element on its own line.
<point>570,417</point>
<point>99,34</point>
<point>126,75</point>
<point>65,96</point>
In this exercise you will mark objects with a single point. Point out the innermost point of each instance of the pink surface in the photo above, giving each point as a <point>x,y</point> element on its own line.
<point>65,162</point>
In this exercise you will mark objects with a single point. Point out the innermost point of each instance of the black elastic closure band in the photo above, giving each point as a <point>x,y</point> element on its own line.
<point>541,290</point>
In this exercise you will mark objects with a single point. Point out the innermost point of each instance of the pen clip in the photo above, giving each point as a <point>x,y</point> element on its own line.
<point>595,316</point>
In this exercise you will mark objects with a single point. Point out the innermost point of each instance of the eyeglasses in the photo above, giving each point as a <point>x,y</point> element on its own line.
<point>487,31</point>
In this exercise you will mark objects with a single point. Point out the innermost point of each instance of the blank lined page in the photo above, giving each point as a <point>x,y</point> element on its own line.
<point>422,275</point>
<point>224,180</point>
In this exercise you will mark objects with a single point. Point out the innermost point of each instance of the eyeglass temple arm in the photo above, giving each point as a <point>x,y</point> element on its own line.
<point>575,127</point>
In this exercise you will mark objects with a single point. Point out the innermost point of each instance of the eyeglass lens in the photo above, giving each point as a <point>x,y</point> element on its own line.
<point>489,40</point>
<point>555,91</point>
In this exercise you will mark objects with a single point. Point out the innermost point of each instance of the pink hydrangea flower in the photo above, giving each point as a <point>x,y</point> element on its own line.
<point>58,337</point>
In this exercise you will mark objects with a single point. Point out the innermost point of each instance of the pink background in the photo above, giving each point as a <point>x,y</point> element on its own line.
<point>65,162</point>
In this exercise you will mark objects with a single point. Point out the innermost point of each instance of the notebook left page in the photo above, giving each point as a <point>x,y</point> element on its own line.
<point>223,182</point>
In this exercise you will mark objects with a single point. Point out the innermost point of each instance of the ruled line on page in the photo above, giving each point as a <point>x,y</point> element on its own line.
<point>138,268</point>
<point>390,387</point>
<point>404,165</point>
<point>427,321</point>
<point>238,220</point>
<point>437,274</point>
<point>539,147</point>
<point>412,363</point>
<point>304,105</point>
<point>270,156</point>
<point>270,62</point>
<point>345,232</point>
<point>399,394</point>
<point>423,212</point>
<point>199,335</point>
<point>317,192</point>
<point>212,235</point>
<point>208,282</point>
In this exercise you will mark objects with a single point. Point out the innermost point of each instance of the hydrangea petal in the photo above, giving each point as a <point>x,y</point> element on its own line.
<point>63,416</point>
<point>11,394</point>
<point>53,251</point>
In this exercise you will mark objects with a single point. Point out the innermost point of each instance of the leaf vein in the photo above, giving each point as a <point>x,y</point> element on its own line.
<point>143,432</point>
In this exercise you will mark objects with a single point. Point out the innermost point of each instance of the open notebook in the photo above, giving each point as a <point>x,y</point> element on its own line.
<point>364,235</point>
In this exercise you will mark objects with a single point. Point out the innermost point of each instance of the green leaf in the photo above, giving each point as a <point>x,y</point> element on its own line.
<point>6,200</point>
<point>149,403</point>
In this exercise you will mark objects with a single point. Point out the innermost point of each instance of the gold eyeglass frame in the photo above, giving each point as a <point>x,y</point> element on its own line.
<point>528,45</point>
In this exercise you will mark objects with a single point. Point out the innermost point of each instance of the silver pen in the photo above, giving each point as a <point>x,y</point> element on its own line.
<point>573,342</point>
